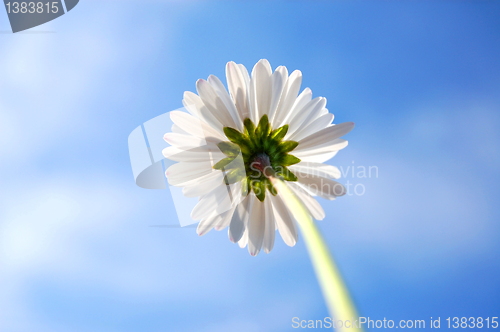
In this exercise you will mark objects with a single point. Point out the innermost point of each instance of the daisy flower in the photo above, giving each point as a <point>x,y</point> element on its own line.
<point>231,146</point>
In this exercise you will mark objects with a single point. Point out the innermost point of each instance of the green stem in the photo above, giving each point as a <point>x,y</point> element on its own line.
<point>334,290</point>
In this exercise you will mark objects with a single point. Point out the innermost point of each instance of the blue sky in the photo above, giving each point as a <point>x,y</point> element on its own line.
<point>421,80</point>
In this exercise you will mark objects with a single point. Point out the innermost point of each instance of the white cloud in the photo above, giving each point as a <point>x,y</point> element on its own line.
<point>73,229</point>
<point>81,234</point>
<point>52,82</point>
<point>429,206</point>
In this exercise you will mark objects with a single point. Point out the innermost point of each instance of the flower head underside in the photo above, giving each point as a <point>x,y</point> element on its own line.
<point>232,144</point>
<point>255,154</point>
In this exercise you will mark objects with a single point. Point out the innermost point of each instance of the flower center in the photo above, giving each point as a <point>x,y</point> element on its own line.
<point>256,154</point>
<point>262,163</point>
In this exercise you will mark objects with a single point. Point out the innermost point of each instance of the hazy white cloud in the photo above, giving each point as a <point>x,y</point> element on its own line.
<point>469,123</point>
<point>429,206</point>
<point>58,229</point>
<point>42,94</point>
<point>80,234</point>
<point>52,82</point>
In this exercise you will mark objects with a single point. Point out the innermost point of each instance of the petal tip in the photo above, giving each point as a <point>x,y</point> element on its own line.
<point>165,137</point>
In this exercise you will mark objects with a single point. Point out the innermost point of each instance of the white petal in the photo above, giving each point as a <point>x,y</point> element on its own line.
<point>216,222</point>
<point>236,193</point>
<point>315,169</point>
<point>260,89</point>
<point>198,154</point>
<point>325,135</point>
<point>256,227</point>
<point>194,125</point>
<point>194,105</point>
<point>184,141</point>
<point>278,79</point>
<point>225,219</point>
<point>288,98</point>
<point>239,219</point>
<point>321,186</point>
<point>201,178</point>
<point>171,151</point>
<point>306,114</point>
<point>226,99</point>
<point>270,226</point>
<point>214,103</point>
<point>244,72</point>
<point>214,203</point>
<point>320,123</point>
<point>310,202</point>
<point>242,243</point>
<point>205,225</point>
<point>246,77</point>
<point>204,185</point>
<point>317,158</point>
<point>181,173</point>
<point>301,101</point>
<point>284,221</point>
<point>238,88</point>
<point>328,147</point>
<point>176,129</point>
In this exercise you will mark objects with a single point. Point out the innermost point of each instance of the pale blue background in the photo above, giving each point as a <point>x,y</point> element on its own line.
<point>420,79</point>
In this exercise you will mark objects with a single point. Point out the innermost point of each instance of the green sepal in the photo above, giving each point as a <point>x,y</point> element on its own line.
<point>249,126</point>
<point>223,163</point>
<point>259,189</point>
<point>250,132</point>
<point>246,150</point>
<point>289,159</point>
<point>279,133</point>
<point>234,136</point>
<point>237,163</point>
<point>263,127</point>
<point>229,149</point>
<point>270,147</point>
<point>245,186</point>
<point>233,176</point>
<point>238,138</point>
<point>286,174</point>
<point>287,146</point>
